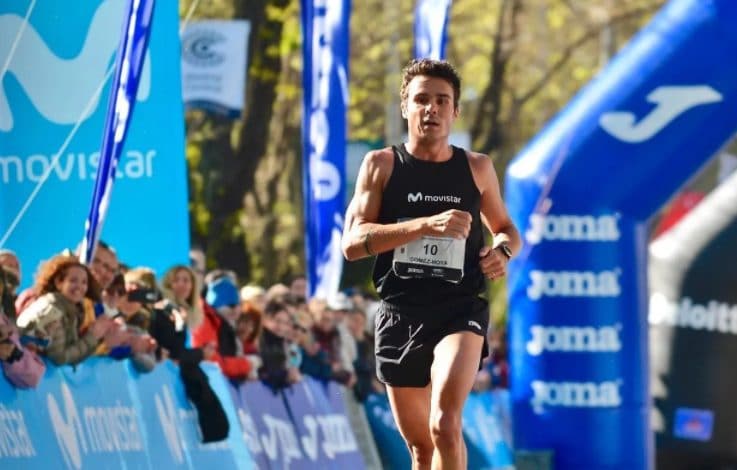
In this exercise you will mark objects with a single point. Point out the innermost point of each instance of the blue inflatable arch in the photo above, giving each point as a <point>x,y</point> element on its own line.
<point>581,194</point>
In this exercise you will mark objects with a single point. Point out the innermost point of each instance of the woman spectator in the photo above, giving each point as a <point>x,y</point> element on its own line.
<point>181,287</point>
<point>62,284</point>
<point>248,328</point>
<point>20,364</point>
<point>277,370</point>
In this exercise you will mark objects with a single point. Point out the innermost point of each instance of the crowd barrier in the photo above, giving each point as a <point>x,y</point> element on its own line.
<point>104,414</point>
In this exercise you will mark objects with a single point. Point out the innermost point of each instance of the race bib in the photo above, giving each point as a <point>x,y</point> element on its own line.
<point>428,257</point>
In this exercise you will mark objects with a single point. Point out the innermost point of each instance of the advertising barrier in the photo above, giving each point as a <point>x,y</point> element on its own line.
<point>105,414</point>
<point>581,194</point>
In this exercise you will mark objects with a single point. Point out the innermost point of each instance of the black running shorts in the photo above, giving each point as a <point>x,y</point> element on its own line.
<point>406,337</point>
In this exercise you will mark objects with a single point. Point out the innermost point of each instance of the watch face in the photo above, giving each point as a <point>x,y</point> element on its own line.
<point>506,250</point>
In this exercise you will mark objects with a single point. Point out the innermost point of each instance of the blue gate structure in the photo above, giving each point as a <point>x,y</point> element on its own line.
<point>581,193</point>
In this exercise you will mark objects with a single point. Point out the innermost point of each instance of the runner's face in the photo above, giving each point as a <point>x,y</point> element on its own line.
<point>429,109</point>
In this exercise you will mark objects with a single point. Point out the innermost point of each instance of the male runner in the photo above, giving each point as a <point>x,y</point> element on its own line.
<point>419,208</point>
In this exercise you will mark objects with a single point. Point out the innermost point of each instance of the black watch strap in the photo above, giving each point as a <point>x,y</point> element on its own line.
<point>504,248</point>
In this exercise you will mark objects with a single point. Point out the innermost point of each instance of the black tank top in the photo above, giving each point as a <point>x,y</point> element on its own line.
<point>419,188</point>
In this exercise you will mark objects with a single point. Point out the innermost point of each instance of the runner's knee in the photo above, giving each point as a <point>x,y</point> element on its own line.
<point>445,428</point>
<point>421,451</point>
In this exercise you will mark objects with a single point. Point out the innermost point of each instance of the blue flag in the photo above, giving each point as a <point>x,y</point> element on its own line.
<point>128,68</point>
<point>431,26</point>
<point>325,80</point>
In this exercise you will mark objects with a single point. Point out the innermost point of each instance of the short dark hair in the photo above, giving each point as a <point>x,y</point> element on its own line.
<point>431,68</point>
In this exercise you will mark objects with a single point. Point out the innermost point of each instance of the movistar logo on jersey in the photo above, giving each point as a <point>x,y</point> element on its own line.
<point>583,228</point>
<point>574,339</point>
<point>575,394</point>
<point>714,316</point>
<point>573,284</point>
<point>63,99</point>
<point>419,197</point>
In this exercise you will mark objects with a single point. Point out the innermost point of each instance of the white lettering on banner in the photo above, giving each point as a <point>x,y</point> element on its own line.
<point>250,432</point>
<point>107,429</point>
<point>584,228</point>
<point>575,394</point>
<point>671,101</point>
<point>574,339</point>
<point>168,419</point>
<point>134,164</point>
<point>15,440</point>
<point>714,316</point>
<point>574,284</point>
<point>338,436</point>
<point>325,179</point>
<point>310,442</point>
<point>281,435</point>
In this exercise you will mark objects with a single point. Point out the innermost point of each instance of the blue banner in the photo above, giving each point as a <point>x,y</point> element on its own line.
<point>325,83</point>
<point>104,414</point>
<point>582,193</point>
<point>277,436</point>
<point>134,35</point>
<point>484,416</point>
<point>62,57</point>
<point>392,448</point>
<point>431,28</point>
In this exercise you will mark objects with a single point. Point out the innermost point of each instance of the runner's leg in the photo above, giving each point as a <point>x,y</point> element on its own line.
<point>411,409</point>
<point>453,371</point>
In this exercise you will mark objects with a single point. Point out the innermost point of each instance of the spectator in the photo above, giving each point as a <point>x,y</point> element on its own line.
<point>168,327</point>
<point>341,305</point>
<point>277,371</point>
<point>20,364</point>
<point>10,263</point>
<point>63,283</point>
<point>181,287</point>
<point>253,295</point>
<point>298,288</point>
<point>325,331</point>
<point>364,365</point>
<point>248,328</point>
<point>217,335</point>
<point>315,361</point>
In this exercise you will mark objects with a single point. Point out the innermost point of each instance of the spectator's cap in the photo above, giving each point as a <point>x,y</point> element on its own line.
<point>222,292</point>
<point>251,292</point>
<point>340,302</point>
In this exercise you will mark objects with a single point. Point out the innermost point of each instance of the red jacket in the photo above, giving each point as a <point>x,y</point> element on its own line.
<point>233,367</point>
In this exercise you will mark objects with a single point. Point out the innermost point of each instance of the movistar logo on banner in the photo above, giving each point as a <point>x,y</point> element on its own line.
<point>574,339</point>
<point>59,88</point>
<point>579,228</point>
<point>573,284</point>
<point>575,394</point>
<point>104,429</point>
<point>53,79</point>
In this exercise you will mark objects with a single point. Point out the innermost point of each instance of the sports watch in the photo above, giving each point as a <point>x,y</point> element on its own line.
<point>504,248</point>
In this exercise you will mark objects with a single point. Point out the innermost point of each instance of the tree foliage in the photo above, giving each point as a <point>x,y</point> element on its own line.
<point>520,61</point>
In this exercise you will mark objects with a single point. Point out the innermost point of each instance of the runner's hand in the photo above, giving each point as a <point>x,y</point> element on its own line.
<point>493,264</point>
<point>451,223</point>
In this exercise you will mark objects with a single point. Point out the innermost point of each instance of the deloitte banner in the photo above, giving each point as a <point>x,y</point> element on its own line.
<point>62,56</point>
<point>582,193</point>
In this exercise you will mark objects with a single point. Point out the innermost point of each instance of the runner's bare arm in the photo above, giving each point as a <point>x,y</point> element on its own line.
<point>495,217</point>
<point>362,234</point>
